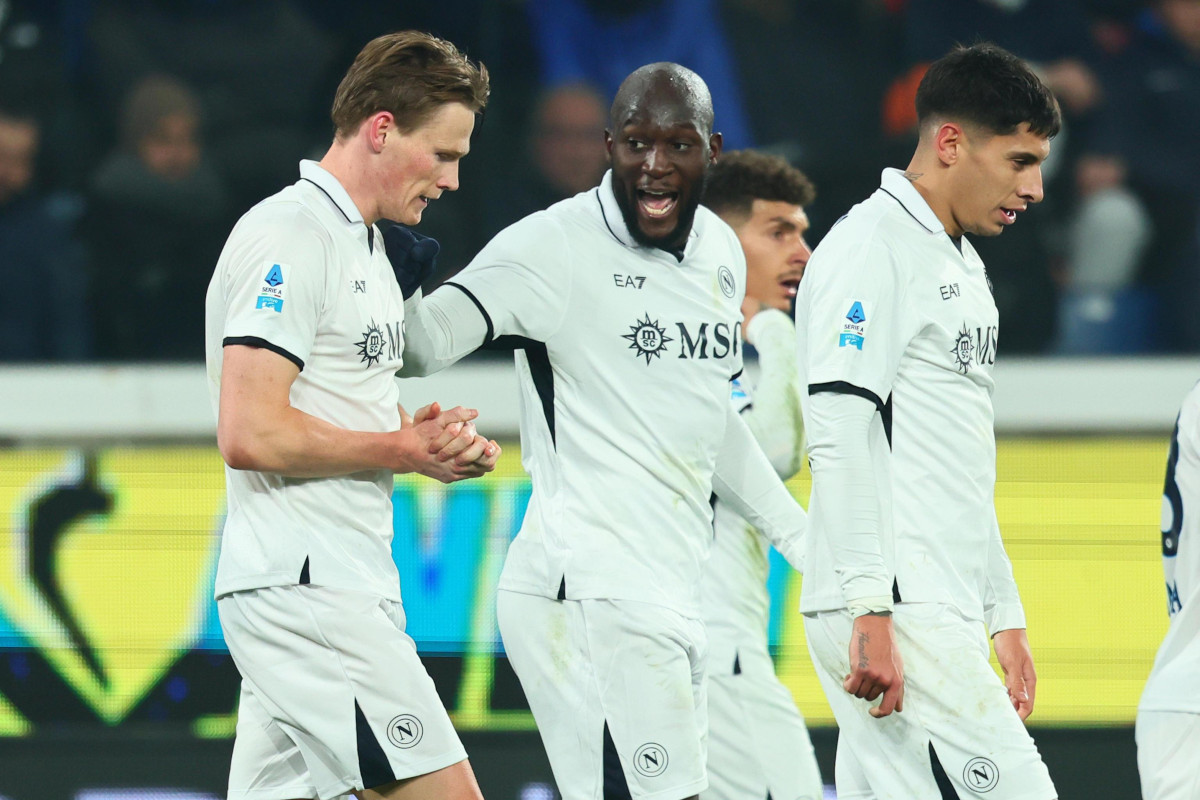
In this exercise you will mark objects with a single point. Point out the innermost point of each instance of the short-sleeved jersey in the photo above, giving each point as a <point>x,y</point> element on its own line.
<point>892,310</point>
<point>301,275</point>
<point>1172,685</point>
<point>625,358</point>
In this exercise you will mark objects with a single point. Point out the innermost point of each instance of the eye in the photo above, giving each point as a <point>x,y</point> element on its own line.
<point>636,145</point>
<point>682,146</point>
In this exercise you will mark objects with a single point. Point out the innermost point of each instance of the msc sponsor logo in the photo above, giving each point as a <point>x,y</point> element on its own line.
<point>975,346</point>
<point>697,341</point>
<point>378,340</point>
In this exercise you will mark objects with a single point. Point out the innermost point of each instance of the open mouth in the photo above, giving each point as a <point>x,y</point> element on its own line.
<point>656,202</point>
<point>1010,215</point>
<point>790,285</point>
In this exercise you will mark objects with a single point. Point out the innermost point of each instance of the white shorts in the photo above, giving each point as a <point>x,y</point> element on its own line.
<point>757,743</point>
<point>334,697</point>
<point>1167,743</point>
<point>617,690</point>
<point>958,731</point>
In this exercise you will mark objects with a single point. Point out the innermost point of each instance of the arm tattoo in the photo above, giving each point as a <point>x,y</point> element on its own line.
<point>863,640</point>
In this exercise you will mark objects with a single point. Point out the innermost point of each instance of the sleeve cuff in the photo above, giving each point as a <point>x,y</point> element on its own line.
<point>1004,617</point>
<point>881,604</point>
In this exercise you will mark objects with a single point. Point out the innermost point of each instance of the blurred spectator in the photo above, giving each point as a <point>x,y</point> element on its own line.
<point>1134,276</point>
<point>1055,37</point>
<point>256,65</point>
<point>33,75</point>
<point>156,224</point>
<point>42,300</point>
<point>601,41</point>
<point>563,157</point>
<point>828,62</point>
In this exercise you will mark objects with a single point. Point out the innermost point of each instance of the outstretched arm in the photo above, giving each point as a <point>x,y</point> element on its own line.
<point>745,479</point>
<point>440,329</point>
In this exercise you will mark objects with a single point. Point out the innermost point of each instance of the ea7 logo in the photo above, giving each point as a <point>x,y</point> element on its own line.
<point>628,281</point>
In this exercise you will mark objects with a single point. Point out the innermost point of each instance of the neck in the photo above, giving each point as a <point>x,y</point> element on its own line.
<point>928,177</point>
<point>340,162</point>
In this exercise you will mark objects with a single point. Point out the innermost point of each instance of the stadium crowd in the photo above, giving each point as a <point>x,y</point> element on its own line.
<point>134,132</point>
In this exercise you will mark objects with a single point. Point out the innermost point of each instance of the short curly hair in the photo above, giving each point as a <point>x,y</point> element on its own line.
<point>410,74</point>
<point>742,176</point>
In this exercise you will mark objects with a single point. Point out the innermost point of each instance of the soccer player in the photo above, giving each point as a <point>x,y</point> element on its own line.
<point>304,336</point>
<point>758,745</point>
<point>625,304</point>
<point>897,333</point>
<point>1168,718</point>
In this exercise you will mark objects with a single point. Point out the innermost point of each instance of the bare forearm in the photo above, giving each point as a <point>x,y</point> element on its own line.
<point>293,443</point>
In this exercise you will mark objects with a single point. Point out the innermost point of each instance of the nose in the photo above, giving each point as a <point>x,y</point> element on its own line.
<point>449,179</point>
<point>656,161</point>
<point>1031,189</point>
<point>801,253</point>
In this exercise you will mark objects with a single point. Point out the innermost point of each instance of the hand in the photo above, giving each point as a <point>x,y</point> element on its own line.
<point>875,665</point>
<point>1016,659</point>
<point>444,445</point>
<point>750,307</point>
<point>413,257</point>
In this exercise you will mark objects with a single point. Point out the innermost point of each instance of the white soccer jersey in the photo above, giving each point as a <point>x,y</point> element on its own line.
<point>891,310</point>
<point>303,276</point>
<point>1172,685</point>
<point>626,358</point>
<point>737,606</point>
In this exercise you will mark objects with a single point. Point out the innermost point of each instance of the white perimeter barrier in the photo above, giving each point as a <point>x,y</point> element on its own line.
<point>170,402</point>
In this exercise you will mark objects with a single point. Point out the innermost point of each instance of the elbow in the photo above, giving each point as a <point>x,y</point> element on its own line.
<point>236,448</point>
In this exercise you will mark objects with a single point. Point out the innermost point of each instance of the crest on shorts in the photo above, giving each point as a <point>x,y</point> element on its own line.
<point>981,774</point>
<point>405,731</point>
<point>647,338</point>
<point>650,760</point>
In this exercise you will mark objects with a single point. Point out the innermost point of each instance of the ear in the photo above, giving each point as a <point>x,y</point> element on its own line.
<point>377,127</point>
<point>948,141</point>
<point>715,143</point>
<point>608,144</point>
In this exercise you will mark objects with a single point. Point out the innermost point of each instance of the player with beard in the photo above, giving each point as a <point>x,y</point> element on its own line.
<point>624,306</point>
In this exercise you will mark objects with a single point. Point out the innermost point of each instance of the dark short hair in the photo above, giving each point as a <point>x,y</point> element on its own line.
<point>410,74</point>
<point>742,176</point>
<point>986,85</point>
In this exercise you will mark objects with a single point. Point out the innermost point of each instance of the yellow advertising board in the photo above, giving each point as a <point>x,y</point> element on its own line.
<point>107,561</point>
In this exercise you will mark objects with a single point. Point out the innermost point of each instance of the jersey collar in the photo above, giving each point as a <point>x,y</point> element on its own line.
<point>615,221</point>
<point>894,183</point>
<point>315,173</point>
